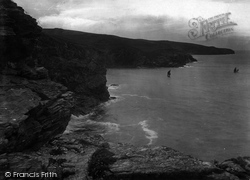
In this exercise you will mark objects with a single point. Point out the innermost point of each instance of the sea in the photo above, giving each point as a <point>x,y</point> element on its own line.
<point>202,110</point>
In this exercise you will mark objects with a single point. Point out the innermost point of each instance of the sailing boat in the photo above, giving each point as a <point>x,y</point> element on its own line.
<point>169,73</point>
<point>236,70</point>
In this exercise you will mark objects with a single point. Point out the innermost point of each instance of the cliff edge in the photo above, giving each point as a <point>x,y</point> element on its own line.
<point>42,81</point>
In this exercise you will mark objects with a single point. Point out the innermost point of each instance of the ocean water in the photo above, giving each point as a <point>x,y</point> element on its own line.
<point>203,109</point>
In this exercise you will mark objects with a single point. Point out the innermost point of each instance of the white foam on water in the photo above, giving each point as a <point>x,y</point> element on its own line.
<point>136,95</point>
<point>117,99</point>
<point>113,87</point>
<point>111,127</point>
<point>188,66</point>
<point>150,134</point>
<point>146,97</point>
<point>81,117</point>
<point>76,123</point>
<point>83,122</point>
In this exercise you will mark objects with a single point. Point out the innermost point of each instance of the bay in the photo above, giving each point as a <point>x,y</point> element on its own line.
<point>203,109</point>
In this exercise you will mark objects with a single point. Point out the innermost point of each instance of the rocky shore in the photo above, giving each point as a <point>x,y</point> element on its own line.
<point>43,81</point>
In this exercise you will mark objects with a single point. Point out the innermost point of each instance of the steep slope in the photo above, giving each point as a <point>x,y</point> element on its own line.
<point>124,52</point>
<point>42,81</point>
<point>18,33</point>
<point>81,69</point>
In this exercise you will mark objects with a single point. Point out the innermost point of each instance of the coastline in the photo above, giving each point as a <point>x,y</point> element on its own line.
<point>84,154</point>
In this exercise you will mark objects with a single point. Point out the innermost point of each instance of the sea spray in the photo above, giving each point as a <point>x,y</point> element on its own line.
<point>150,134</point>
<point>85,123</point>
<point>113,87</point>
<point>115,100</point>
<point>136,95</point>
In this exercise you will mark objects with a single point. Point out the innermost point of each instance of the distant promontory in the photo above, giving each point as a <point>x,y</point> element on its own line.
<point>124,52</point>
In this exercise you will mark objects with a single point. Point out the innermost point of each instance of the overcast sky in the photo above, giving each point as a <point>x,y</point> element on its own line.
<point>146,19</point>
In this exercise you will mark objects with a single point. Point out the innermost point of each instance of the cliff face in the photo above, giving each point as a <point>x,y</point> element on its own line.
<point>81,69</point>
<point>18,34</point>
<point>124,52</point>
<point>34,107</point>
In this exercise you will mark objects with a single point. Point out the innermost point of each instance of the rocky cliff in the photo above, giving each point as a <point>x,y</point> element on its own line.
<point>80,69</point>
<point>34,107</point>
<point>86,156</point>
<point>18,34</point>
<point>28,97</point>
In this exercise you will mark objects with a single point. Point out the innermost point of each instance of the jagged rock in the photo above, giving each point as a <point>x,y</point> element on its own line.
<point>33,108</point>
<point>221,176</point>
<point>80,69</point>
<point>15,102</point>
<point>123,161</point>
<point>237,166</point>
<point>32,73</point>
<point>18,33</point>
<point>5,23</point>
<point>32,112</point>
<point>67,155</point>
<point>80,156</point>
<point>42,73</point>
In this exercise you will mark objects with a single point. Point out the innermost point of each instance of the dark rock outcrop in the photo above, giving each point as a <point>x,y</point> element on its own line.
<point>18,33</point>
<point>67,156</point>
<point>87,155</point>
<point>81,69</point>
<point>32,112</point>
<point>34,107</point>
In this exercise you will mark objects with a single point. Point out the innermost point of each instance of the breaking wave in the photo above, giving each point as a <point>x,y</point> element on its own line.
<point>113,87</point>
<point>84,123</point>
<point>136,95</point>
<point>150,134</point>
<point>115,100</point>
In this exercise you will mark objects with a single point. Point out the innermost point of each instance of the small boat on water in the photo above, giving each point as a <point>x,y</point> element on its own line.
<point>169,73</point>
<point>236,70</point>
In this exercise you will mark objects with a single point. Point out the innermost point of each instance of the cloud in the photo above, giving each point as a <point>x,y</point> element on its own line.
<point>100,10</point>
<point>143,27</point>
<point>40,8</point>
<point>232,1</point>
<point>147,19</point>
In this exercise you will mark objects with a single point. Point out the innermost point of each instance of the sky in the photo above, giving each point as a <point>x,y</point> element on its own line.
<point>143,19</point>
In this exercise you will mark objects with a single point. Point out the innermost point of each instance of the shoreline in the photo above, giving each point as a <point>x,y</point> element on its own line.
<point>85,154</point>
